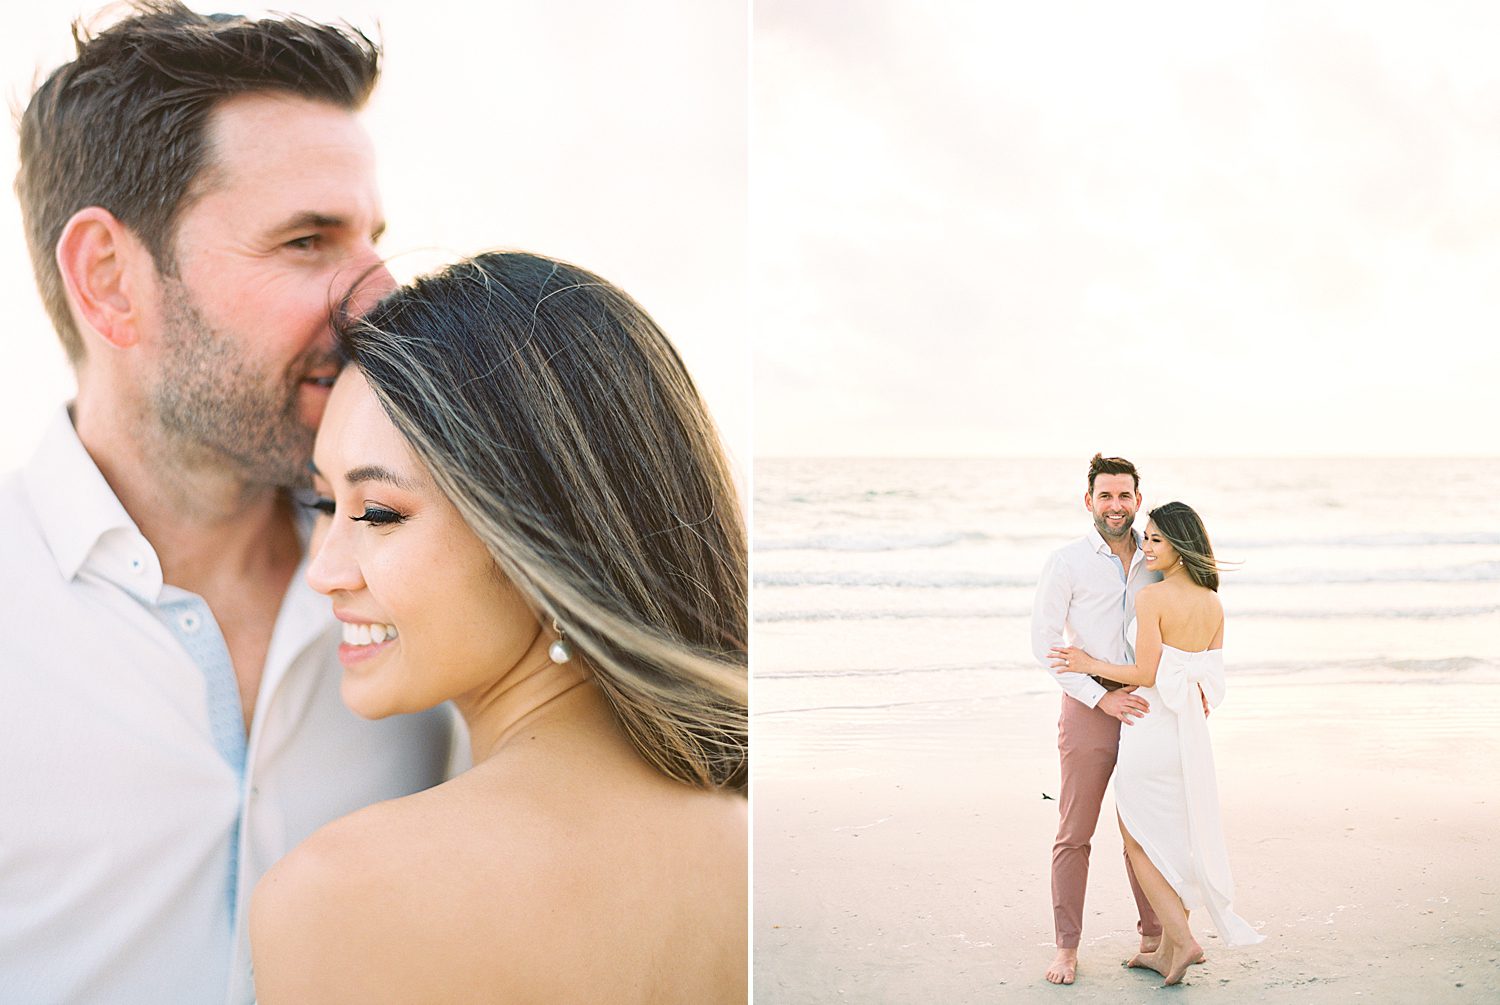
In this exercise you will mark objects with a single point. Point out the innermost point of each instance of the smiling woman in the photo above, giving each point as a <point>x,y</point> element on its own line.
<point>426,617</point>
<point>526,511</point>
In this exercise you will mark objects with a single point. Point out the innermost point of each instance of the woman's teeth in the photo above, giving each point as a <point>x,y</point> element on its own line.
<point>366,635</point>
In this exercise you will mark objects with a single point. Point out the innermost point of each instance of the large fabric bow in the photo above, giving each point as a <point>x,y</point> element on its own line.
<point>1178,679</point>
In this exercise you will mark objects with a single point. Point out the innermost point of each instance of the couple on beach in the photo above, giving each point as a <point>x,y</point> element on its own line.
<point>1131,626</point>
<point>519,505</point>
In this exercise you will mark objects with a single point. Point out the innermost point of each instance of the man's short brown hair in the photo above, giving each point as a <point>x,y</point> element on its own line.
<point>1101,465</point>
<point>124,125</point>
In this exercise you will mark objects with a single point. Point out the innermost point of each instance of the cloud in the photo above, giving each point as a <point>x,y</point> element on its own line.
<point>981,212</point>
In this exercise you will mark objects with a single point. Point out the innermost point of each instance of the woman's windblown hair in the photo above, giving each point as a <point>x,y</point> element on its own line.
<point>560,421</point>
<point>1180,524</point>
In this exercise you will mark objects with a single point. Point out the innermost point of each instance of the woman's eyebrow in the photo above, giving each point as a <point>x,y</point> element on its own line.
<point>379,473</point>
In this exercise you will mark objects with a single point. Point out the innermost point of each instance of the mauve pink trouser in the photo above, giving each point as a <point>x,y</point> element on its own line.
<point>1088,741</point>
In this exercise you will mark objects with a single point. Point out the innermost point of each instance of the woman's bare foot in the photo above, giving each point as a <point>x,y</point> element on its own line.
<point>1148,961</point>
<point>1064,967</point>
<point>1181,960</point>
<point>1150,944</point>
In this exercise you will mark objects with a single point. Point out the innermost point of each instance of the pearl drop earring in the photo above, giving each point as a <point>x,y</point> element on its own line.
<point>559,651</point>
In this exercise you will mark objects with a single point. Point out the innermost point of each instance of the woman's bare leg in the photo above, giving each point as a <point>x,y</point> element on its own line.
<point>1178,949</point>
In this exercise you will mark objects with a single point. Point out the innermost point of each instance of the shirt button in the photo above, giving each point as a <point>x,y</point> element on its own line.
<point>137,566</point>
<point>190,621</point>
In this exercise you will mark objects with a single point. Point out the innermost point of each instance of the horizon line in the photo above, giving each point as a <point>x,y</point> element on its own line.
<point>1169,457</point>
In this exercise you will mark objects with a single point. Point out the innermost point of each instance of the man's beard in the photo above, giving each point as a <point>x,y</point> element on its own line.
<point>1102,525</point>
<point>211,398</point>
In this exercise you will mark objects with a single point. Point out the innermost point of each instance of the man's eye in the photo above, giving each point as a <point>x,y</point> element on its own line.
<point>322,504</point>
<point>307,243</point>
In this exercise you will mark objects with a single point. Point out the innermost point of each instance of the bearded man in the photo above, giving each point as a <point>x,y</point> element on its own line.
<point>1085,598</point>
<point>199,199</point>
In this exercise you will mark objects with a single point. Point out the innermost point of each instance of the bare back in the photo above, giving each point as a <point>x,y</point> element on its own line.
<point>1192,617</point>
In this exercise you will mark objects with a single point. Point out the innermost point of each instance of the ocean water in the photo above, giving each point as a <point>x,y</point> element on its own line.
<point>892,597</point>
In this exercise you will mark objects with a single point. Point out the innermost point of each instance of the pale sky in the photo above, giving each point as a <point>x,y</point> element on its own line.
<point>610,134</point>
<point>1168,229</point>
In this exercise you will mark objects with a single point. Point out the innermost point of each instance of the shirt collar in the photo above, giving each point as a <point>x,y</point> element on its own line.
<point>80,517</point>
<point>1101,546</point>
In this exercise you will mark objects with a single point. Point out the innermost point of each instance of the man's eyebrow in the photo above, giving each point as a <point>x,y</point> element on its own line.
<point>377,473</point>
<point>313,220</point>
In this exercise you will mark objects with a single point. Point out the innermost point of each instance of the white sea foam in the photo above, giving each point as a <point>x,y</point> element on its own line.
<point>869,542</point>
<point>1445,666</point>
<point>1392,540</point>
<point>765,614</point>
<point>949,579</point>
<point>834,541</point>
<point>913,578</point>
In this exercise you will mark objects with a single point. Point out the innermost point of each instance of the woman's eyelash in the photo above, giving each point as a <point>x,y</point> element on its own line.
<point>378,516</point>
<point>375,516</point>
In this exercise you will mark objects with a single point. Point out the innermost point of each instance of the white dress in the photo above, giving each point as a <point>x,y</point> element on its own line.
<point>1166,792</point>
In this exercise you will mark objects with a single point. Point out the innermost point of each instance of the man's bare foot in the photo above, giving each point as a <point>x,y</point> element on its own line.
<point>1181,960</point>
<point>1148,961</point>
<point>1064,967</point>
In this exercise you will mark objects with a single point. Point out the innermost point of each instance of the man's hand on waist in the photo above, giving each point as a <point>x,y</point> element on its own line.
<point>1124,704</point>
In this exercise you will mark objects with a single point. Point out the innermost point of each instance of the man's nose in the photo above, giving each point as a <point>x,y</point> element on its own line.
<point>371,281</point>
<point>362,280</point>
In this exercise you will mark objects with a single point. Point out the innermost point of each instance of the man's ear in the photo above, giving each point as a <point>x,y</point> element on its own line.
<point>97,255</point>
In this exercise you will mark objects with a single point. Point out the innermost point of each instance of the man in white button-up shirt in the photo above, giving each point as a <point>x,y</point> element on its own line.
<point>198,194</point>
<point>1086,598</point>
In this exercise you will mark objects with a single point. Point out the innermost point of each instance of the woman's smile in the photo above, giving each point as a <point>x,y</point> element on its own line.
<point>365,640</point>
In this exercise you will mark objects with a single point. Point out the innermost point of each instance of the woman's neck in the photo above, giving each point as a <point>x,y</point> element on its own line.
<point>534,692</point>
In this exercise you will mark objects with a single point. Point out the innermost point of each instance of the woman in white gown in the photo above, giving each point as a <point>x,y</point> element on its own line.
<point>1165,791</point>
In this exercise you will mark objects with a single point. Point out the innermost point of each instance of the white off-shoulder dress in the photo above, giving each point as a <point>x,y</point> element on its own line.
<point>1166,792</point>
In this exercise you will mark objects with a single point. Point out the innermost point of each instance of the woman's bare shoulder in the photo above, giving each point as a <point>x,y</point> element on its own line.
<point>1152,593</point>
<point>390,902</point>
<point>337,919</point>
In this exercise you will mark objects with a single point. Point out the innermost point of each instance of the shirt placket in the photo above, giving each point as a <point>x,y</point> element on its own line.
<point>188,618</point>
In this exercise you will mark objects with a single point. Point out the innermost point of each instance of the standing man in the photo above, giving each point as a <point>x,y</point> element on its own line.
<point>198,196</point>
<point>1086,598</point>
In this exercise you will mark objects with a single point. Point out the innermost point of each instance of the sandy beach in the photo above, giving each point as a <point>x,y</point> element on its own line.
<point>902,854</point>
<point>904,737</point>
